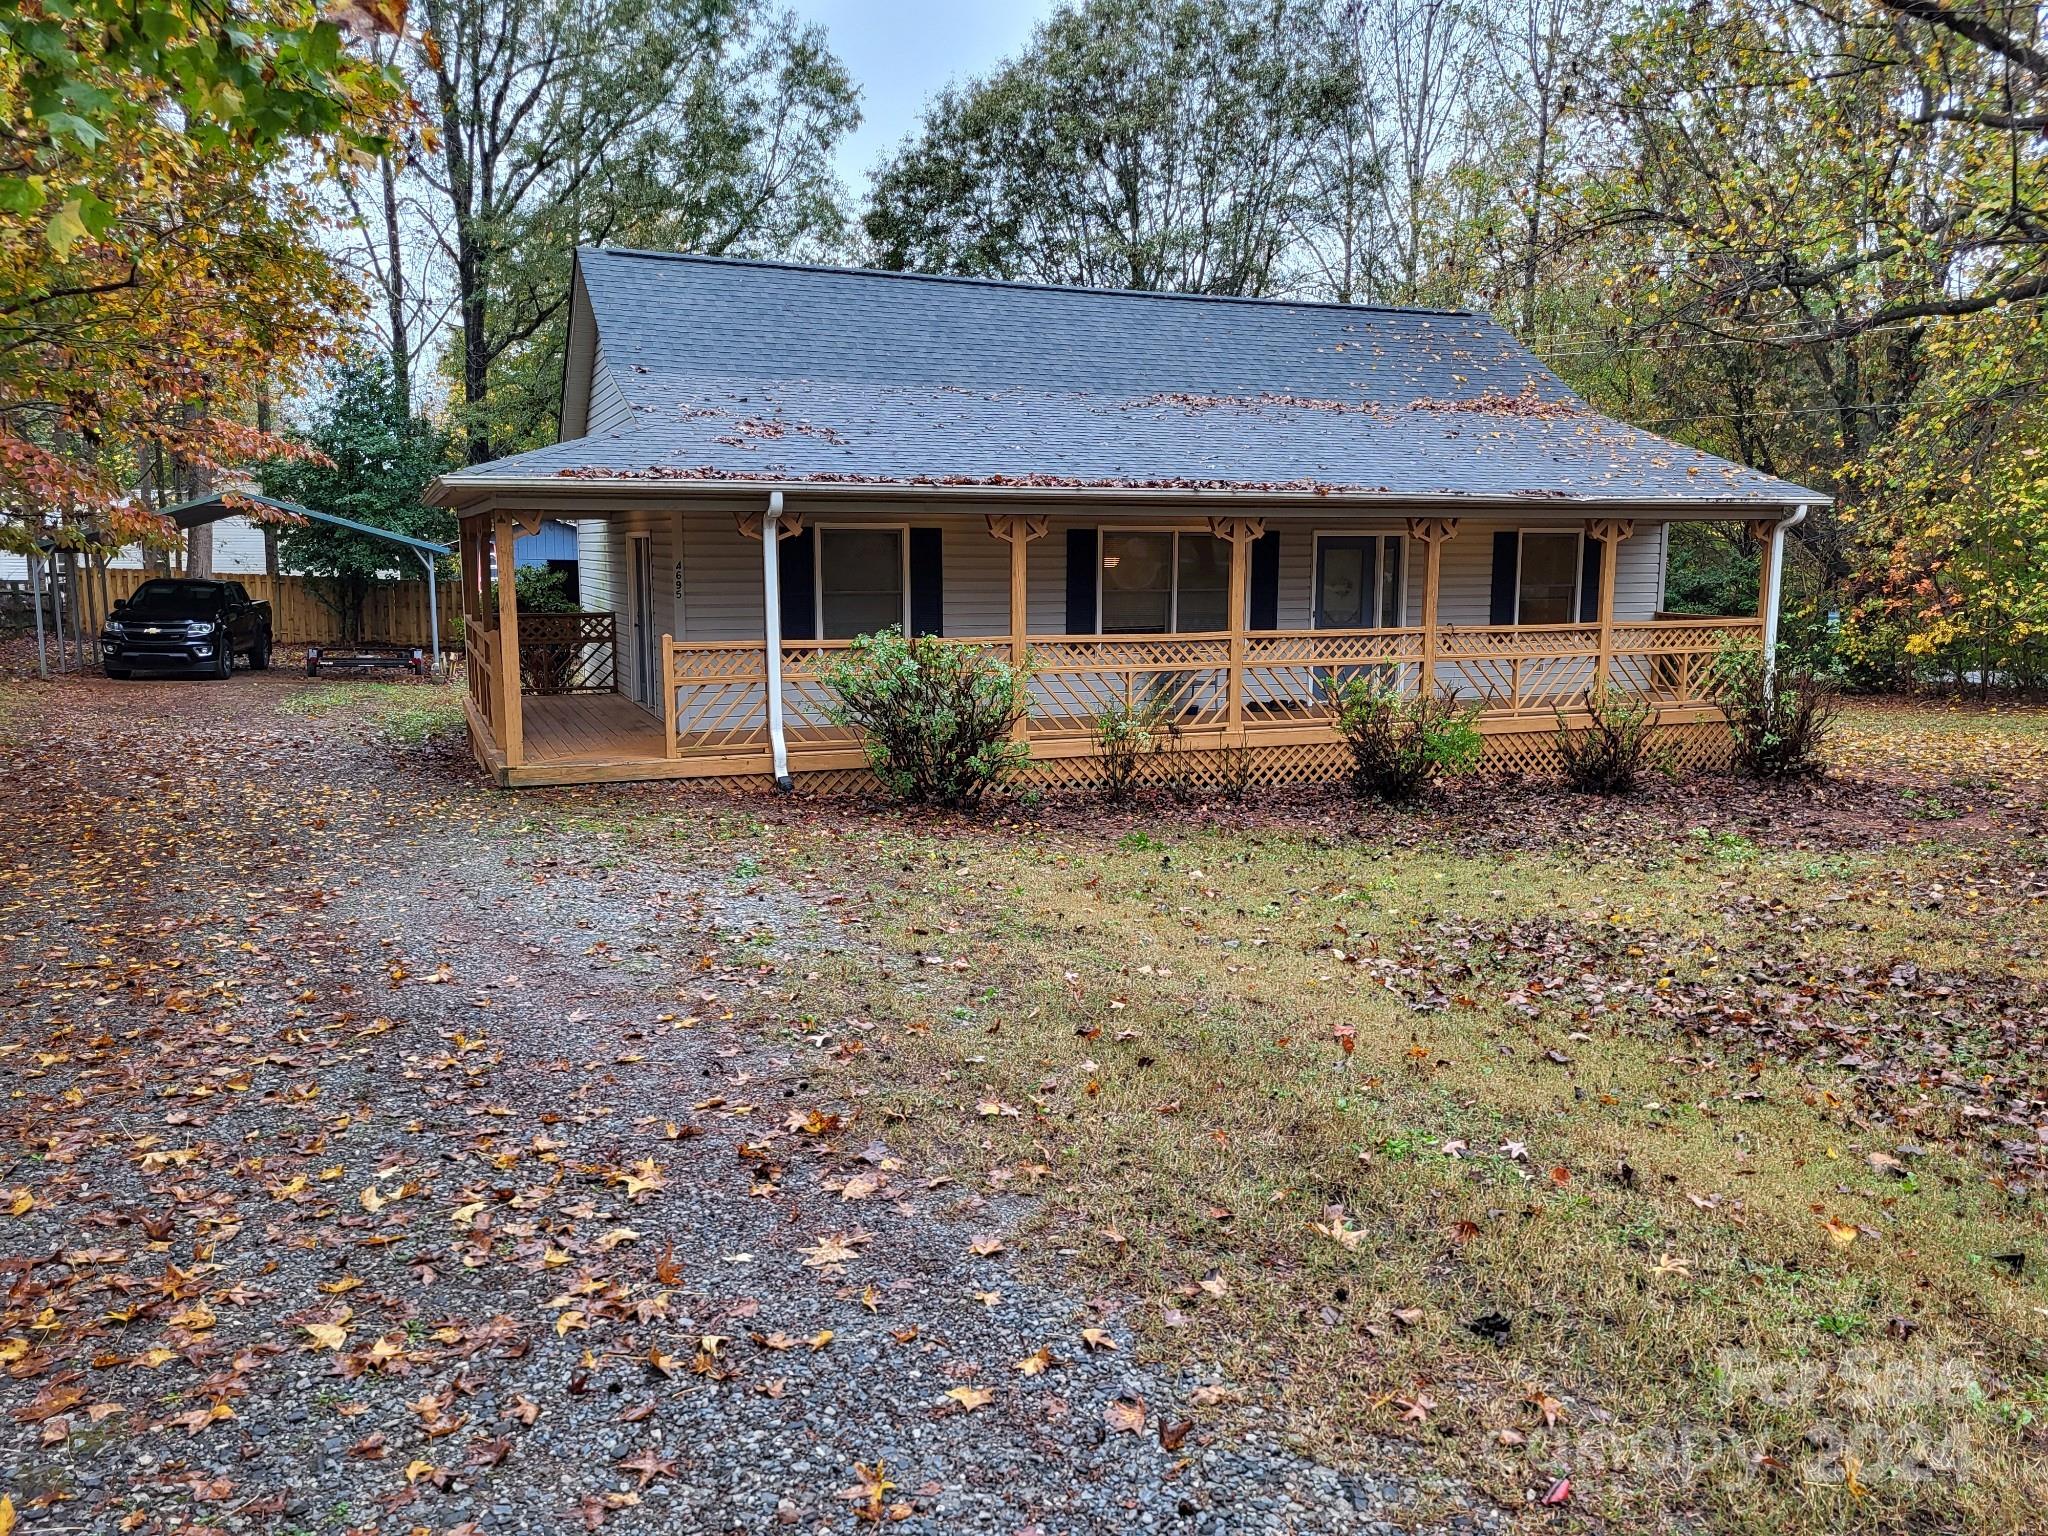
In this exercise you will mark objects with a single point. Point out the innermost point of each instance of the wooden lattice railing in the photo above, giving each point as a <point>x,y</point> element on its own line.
<point>481,646</point>
<point>1076,680</point>
<point>717,692</point>
<point>568,653</point>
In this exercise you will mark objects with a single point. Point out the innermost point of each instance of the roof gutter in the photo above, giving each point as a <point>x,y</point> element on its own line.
<point>771,622</point>
<point>451,494</point>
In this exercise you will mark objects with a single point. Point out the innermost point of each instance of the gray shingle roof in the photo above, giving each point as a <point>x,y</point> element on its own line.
<point>774,372</point>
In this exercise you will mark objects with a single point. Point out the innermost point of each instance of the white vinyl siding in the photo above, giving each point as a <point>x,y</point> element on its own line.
<point>609,411</point>
<point>721,570</point>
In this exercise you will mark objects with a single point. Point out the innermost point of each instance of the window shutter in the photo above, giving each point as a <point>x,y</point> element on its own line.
<point>1083,559</point>
<point>1589,580</point>
<point>1265,582</point>
<point>1507,575</point>
<point>797,566</point>
<point>927,581</point>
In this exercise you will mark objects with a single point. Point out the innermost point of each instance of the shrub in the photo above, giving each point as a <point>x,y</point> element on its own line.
<point>935,718</point>
<point>543,589</point>
<point>1126,732</point>
<point>1399,744</point>
<point>1605,757</point>
<point>1780,724</point>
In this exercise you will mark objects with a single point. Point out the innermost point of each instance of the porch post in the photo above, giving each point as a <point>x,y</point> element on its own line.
<point>1238,533</point>
<point>1433,533</point>
<point>511,724</point>
<point>1017,531</point>
<point>1610,531</point>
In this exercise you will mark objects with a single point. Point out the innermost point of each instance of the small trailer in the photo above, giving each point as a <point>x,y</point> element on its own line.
<point>364,658</point>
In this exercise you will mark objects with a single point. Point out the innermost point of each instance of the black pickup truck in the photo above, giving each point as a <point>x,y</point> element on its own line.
<point>172,622</point>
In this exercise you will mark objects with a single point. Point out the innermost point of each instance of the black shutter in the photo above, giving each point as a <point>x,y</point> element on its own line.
<point>796,564</point>
<point>927,581</point>
<point>1265,575</point>
<point>1507,576</point>
<point>1589,581</point>
<point>1082,563</point>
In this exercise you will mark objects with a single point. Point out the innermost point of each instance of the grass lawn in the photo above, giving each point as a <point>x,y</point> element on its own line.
<point>1689,1149</point>
<point>407,712</point>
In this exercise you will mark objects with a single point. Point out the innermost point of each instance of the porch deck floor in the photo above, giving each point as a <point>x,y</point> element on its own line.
<point>590,728</point>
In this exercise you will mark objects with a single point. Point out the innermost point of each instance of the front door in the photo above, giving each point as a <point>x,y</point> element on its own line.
<point>1346,579</point>
<point>646,664</point>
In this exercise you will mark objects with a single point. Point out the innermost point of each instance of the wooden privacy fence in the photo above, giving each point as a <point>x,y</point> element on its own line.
<point>394,613</point>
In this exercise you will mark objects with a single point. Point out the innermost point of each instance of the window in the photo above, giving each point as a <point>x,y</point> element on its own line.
<point>861,582</point>
<point>1358,581</point>
<point>1547,589</point>
<point>1163,583</point>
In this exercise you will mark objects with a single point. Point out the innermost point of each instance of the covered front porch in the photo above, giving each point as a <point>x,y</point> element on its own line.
<point>551,696</point>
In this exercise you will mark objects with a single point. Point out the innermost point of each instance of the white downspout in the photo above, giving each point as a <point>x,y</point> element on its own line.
<point>1776,557</point>
<point>771,609</point>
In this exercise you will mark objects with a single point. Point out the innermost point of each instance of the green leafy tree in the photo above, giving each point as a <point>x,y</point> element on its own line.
<point>1133,144</point>
<point>703,125</point>
<point>155,268</point>
<point>365,459</point>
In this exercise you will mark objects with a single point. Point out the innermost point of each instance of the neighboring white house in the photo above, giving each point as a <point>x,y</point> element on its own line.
<point>238,550</point>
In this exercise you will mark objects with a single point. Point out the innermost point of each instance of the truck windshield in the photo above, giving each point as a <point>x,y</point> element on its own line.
<point>175,597</point>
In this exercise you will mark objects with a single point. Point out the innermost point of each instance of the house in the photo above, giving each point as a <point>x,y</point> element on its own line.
<point>1219,502</point>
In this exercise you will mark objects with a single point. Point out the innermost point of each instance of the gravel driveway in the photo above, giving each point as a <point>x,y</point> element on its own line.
<point>380,1160</point>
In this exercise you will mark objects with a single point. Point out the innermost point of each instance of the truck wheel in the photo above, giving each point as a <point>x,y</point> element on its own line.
<point>224,663</point>
<point>259,653</point>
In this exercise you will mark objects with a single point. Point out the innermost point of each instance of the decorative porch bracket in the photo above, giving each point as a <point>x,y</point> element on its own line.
<point>1018,531</point>
<point>1239,533</point>
<point>1609,532</point>
<point>787,525</point>
<point>1432,533</point>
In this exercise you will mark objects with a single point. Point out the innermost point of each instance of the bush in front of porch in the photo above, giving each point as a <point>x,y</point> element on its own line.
<point>937,720</point>
<point>1400,744</point>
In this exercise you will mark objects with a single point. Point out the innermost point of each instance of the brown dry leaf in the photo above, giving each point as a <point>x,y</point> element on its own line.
<point>1095,1338</point>
<point>1339,1229</point>
<point>649,1463</point>
<point>982,1247</point>
<point>327,1335</point>
<point>971,1398</point>
<point>1037,1362</point>
<point>837,1248</point>
<point>1125,1415</point>
<point>861,1185</point>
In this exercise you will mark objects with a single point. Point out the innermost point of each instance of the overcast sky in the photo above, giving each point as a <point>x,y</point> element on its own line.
<point>901,51</point>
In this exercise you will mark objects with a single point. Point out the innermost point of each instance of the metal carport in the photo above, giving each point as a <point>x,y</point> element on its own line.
<point>211,509</point>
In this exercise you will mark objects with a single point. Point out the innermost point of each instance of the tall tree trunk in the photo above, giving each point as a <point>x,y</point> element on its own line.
<point>394,291</point>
